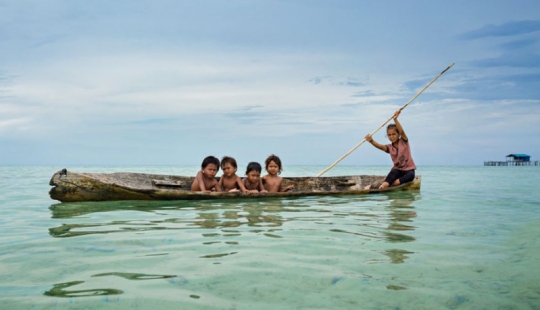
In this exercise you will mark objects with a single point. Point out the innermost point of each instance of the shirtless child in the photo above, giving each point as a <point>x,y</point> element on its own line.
<point>253,181</point>
<point>205,181</point>
<point>272,181</point>
<point>229,181</point>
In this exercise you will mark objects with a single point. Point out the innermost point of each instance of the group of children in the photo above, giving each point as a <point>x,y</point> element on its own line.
<point>403,170</point>
<point>206,181</point>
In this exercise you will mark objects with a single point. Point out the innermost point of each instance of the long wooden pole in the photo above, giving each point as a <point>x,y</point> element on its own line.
<point>403,107</point>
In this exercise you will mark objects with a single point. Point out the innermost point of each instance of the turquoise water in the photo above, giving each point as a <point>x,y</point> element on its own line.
<point>468,240</point>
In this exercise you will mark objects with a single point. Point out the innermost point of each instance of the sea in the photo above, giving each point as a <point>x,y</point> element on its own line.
<point>469,239</point>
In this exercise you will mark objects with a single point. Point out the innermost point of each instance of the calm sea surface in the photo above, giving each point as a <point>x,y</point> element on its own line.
<point>470,239</point>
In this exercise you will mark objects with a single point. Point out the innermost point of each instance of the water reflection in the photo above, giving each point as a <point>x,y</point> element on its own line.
<point>387,216</point>
<point>61,289</point>
<point>77,209</point>
<point>225,216</point>
<point>135,276</point>
<point>311,232</point>
<point>397,256</point>
<point>400,216</point>
<point>401,212</point>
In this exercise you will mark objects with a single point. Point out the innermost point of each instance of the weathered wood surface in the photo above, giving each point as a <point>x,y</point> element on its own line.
<point>71,186</point>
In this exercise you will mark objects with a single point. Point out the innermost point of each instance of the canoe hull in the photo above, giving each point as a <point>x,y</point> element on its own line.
<point>71,186</point>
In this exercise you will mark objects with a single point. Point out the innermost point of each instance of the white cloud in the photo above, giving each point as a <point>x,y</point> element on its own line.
<point>13,126</point>
<point>126,75</point>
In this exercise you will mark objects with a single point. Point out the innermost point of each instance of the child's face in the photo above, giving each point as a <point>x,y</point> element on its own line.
<point>272,168</point>
<point>392,134</point>
<point>210,170</point>
<point>253,176</point>
<point>228,169</point>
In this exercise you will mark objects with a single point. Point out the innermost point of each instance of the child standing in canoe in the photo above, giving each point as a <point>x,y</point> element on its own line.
<point>205,181</point>
<point>400,152</point>
<point>253,181</point>
<point>229,181</point>
<point>272,181</point>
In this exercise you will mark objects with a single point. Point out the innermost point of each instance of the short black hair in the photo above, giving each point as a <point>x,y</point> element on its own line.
<point>210,160</point>
<point>228,160</point>
<point>393,126</point>
<point>253,166</point>
<point>275,159</point>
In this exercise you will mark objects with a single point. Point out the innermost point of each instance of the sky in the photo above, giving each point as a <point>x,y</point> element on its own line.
<point>171,82</point>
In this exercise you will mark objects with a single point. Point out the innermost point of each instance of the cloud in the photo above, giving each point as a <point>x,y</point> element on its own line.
<point>144,83</point>
<point>416,84</point>
<point>149,122</point>
<point>11,126</point>
<point>317,80</point>
<point>352,82</point>
<point>520,45</point>
<point>508,29</point>
<point>366,93</point>
<point>517,86</point>
<point>521,60</point>
<point>250,114</point>
<point>348,81</point>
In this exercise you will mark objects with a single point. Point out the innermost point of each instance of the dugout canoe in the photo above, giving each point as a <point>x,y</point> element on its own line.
<point>69,186</point>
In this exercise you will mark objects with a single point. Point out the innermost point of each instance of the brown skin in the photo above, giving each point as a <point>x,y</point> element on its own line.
<point>253,182</point>
<point>393,136</point>
<point>229,181</point>
<point>272,182</point>
<point>205,181</point>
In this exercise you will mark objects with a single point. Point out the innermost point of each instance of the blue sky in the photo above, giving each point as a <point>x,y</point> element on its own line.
<point>170,82</point>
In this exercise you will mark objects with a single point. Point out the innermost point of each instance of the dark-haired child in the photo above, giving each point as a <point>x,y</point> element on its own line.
<point>272,181</point>
<point>400,152</point>
<point>253,181</point>
<point>205,181</point>
<point>229,181</point>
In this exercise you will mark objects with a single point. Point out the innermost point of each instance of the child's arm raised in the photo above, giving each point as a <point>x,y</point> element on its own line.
<point>376,144</point>
<point>399,127</point>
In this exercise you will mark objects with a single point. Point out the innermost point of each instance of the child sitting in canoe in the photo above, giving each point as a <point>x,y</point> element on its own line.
<point>272,181</point>
<point>229,181</point>
<point>205,181</point>
<point>253,181</point>
<point>400,152</point>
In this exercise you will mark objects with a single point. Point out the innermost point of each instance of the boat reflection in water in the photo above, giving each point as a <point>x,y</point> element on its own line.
<point>229,216</point>
<point>126,240</point>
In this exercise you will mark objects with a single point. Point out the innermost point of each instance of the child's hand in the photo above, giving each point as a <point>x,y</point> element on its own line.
<point>369,138</point>
<point>264,191</point>
<point>288,188</point>
<point>396,114</point>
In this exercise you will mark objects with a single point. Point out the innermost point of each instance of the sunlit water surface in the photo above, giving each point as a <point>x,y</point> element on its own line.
<point>468,240</point>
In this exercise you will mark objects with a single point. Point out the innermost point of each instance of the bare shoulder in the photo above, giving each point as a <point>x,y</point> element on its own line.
<point>195,186</point>
<point>272,179</point>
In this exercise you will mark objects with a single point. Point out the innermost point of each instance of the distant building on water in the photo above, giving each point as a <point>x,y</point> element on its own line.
<point>514,160</point>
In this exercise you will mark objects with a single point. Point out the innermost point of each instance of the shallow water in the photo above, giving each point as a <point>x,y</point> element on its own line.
<point>467,240</point>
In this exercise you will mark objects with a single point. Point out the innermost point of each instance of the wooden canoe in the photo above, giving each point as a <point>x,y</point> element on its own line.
<point>71,186</point>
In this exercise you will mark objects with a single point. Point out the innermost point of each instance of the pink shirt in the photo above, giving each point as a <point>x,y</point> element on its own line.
<point>401,156</point>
